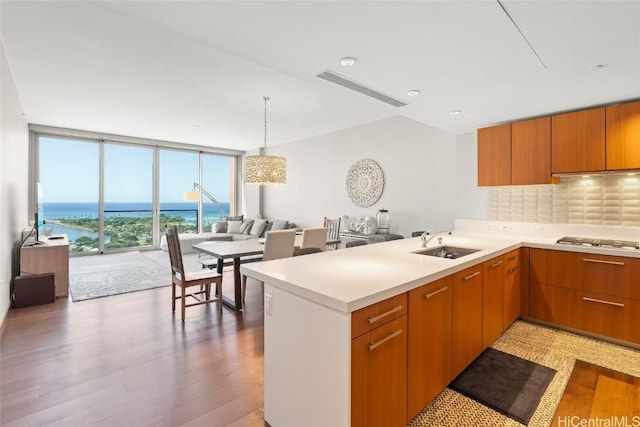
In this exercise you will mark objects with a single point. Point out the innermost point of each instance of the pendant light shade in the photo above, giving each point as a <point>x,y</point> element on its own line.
<point>263,169</point>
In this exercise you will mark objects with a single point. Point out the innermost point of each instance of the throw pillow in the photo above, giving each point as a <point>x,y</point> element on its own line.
<point>234,227</point>
<point>258,227</point>
<point>280,225</point>
<point>234,218</point>
<point>220,227</point>
<point>246,226</point>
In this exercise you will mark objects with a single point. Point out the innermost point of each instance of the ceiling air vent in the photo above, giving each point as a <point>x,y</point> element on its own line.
<point>332,77</point>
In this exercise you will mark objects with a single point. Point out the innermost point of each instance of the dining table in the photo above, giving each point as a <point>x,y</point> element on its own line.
<point>239,251</point>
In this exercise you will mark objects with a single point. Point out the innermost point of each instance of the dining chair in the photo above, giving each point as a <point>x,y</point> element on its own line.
<point>333,230</point>
<point>186,279</point>
<point>277,244</point>
<point>314,237</point>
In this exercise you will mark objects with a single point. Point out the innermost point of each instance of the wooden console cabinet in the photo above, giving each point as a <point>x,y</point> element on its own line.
<point>50,257</point>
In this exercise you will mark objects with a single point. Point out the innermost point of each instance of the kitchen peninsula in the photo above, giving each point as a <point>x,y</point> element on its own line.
<point>313,305</point>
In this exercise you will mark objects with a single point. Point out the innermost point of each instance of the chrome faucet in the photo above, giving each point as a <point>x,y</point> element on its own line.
<point>426,237</point>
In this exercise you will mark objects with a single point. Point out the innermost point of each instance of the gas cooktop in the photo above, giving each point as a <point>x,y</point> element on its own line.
<point>602,243</point>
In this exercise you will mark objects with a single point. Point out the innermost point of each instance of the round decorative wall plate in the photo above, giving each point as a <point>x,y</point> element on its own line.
<point>365,183</point>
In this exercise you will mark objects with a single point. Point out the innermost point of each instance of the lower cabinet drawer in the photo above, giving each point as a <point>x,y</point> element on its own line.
<point>609,316</point>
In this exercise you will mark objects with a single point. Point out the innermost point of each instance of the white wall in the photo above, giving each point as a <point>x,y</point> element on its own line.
<point>14,164</point>
<point>471,200</point>
<point>418,163</point>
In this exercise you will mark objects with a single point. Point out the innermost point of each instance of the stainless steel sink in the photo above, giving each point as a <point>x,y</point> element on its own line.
<point>450,252</point>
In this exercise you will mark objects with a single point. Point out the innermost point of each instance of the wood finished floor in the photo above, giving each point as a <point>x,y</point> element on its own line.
<point>126,360</point>
<point>595,392</point>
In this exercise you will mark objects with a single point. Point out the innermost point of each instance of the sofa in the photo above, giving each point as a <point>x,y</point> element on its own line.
<point>230,229</point>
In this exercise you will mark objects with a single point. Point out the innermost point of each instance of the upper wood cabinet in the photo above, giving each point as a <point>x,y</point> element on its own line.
<point>494,155</point>
<point>578,141</point>
<point>623,136</point>
<point>531,152</point>
<point>515,153</point>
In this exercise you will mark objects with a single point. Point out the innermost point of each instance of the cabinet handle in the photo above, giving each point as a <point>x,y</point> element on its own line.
<point>512,257</point>
<point>495,265</point>
<point>617,304</point>
<point>513,269</point>
<point>601,261</point>
<point>380,316</point>
<point>393,334</point>
<point>430,294</point>
<point>471,276</point>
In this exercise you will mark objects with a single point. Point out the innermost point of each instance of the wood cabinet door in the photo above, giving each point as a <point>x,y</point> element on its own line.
<point>494,155</point>
<point>466,326</point>
<point>623,136</point>
<point>493,275</point>
<point>531,152</point>
<point>429,347</point>
<point>578,141</point>
<point>379,376</point>
<point>511,288</point>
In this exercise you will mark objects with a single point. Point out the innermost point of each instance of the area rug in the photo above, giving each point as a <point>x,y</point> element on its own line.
<point>546,346</point>
<point>104,275</point>
<point>506,383</point>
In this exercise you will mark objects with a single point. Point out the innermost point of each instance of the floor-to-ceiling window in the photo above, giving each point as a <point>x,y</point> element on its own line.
<point>217,178</point>
<point>128,205</point>
<point>68,190</point>
<point>110,195</point>
<point>178,171</point>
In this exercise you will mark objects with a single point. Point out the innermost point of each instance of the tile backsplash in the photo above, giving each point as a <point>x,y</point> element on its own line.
<point>607,199</point>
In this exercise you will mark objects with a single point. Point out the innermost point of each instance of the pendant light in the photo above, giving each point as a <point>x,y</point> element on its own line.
<point>263,169</point>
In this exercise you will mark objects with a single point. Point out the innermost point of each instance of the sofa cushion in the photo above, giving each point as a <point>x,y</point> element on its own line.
<point>246,226</point>
<point>258,227</point>
<point>220,227</point>
<point>237,237</point>
<point>234,218</point>
<point>217,237</point>
<point>280,225</point>
<point>234,227</point>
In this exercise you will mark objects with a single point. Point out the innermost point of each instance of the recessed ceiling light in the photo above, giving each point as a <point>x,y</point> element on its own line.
<point>597,67</point>
<point>348,61</point>
<point>413,92</point>
<point>455,112</point>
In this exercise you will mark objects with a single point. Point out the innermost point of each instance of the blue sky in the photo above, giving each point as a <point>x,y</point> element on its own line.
<point>69,172</point>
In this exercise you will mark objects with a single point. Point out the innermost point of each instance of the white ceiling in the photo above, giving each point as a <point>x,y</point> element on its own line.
<point>157,69</point>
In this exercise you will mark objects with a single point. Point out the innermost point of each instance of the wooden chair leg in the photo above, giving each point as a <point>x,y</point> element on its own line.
<point>184,297</point>
<point>173,297</point>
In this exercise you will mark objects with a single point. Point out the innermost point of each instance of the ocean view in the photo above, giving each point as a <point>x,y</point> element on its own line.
<point>52,212</point>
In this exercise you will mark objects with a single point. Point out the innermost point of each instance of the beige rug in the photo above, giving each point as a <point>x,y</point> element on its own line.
<point>546,346</point>
<point>97,276</point>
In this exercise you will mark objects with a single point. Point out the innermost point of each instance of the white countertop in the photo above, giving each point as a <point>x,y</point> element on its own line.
<point>349,279</point>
